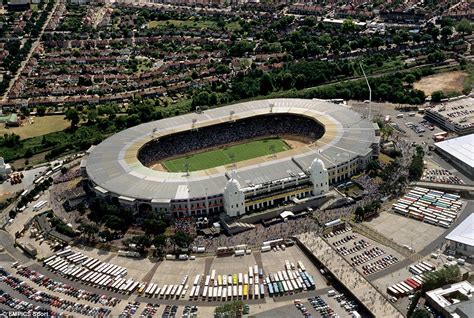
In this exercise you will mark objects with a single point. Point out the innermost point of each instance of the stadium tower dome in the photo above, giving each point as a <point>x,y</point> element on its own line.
<point>234,198</point>
<point>5,169</point>
<point>319,177</point>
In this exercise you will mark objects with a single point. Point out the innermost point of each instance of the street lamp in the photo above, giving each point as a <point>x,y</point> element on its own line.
<point>370,91</point>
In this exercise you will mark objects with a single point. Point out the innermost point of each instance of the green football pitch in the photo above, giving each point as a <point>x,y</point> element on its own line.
<point>223,156</point>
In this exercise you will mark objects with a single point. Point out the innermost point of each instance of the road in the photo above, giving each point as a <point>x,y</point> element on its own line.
<point>33,48</point>
<point>9,244</point>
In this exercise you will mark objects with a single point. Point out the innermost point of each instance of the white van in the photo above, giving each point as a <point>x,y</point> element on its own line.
<point>331,293</point>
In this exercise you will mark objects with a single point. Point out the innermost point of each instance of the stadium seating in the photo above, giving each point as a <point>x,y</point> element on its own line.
<point>230,132</point>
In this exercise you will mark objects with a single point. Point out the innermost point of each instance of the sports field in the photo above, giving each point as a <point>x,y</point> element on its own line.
<point>223,156</point>
<point>37,126</point>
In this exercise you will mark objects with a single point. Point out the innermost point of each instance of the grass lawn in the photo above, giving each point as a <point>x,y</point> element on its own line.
<point>192,24</point>
<point>183,24</point>
<point>385,159</point>
<point>220,157</point>
<point>42,126</point>
<point>469,80</point>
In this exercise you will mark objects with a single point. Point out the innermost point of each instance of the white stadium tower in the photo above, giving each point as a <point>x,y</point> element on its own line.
<point>342,148</point>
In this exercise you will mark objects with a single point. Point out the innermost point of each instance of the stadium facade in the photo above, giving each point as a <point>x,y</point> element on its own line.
<point>347,144</point>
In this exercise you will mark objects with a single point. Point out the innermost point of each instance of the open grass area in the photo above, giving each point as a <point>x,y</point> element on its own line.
<point>41,126</point>
<point>447,82</point>
<point>469,80</point>
<point>192,24</point>
<point>220,157</point>
<point>385,159</point>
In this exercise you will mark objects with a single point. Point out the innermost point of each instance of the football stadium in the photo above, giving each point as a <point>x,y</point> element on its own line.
<point>234,159</point>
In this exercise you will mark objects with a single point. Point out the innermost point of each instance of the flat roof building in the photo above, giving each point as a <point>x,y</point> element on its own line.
<point>462,237</point>
<point>449,300</point>
<point>456,116</point>
<point>460,151</point>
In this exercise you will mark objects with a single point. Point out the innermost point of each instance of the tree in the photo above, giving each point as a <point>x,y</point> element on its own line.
<point>359,212</point>
<point>159,241</point>
<point>181,239</point>
<point>266,84</point>
<point>201,99</point>
<point>300,81</point>
<point>154,226</point>
<point>372,167</point>
<point>415,170</point>
<point>421,313</point>
<point>106,235</point>
<point>92,115</point>
<point>41,110</point>
<point>24,111</point>
<point>446,32</point>
<point>213,100</point>
<point>142,240</point>
<point>410,78</point>
<point>348,25</point>
<point>287,81</point>
<point>437,96</point>
<point>442,277</point>
<point>465,27</point>
<point>89,230</point>
<point>28,153</point>
<point>436,57</point>
<point>376,41</point>
<point>73,116</point>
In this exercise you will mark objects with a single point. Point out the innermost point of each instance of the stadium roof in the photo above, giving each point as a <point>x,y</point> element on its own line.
<point>461,148</point>
<point>113,165</point>
<point>464,232</point>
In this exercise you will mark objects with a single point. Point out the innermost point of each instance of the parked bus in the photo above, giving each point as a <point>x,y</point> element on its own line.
<point>245,291</point>
<point>196,292</point>
<point>391,291</point>
<point>38,206</point>
<point>429,265</point>
<point>270,290</point>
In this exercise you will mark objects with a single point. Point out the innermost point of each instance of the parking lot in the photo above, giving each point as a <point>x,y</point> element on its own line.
<point>405,231</point>
<point>24,285</point>
<point>317,306</point>
<point>364,254</point>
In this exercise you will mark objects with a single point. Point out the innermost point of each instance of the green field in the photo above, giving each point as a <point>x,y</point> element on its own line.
<point>220,157</point>
<point>193,24</point>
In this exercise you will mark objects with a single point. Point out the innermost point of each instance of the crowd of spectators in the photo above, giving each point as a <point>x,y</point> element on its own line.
<point>367,183</point>
<point>186,225</point>
<point>226,133</point>
<point>255,238</point>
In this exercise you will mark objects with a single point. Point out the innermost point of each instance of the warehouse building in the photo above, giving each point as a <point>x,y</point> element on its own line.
<point>461,239</point>
<point>460,152</point>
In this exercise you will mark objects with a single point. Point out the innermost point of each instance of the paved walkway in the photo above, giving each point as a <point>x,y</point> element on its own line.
<point>372,299</point>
